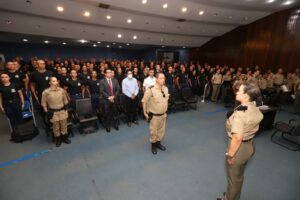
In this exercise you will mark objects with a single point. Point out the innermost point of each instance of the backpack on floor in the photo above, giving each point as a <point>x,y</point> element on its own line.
<point>24,131</point>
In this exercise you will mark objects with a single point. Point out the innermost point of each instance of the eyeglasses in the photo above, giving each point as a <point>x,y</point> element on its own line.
<point>163,93</point>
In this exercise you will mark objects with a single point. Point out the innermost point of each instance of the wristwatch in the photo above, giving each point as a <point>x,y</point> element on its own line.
<point>228,156</point>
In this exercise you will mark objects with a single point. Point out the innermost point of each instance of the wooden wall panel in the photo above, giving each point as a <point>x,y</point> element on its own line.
<point>271,42</point>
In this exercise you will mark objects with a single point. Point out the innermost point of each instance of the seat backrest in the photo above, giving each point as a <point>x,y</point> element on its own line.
<point>187,93</point>
<point>84,107</point>
<point>296,130</point>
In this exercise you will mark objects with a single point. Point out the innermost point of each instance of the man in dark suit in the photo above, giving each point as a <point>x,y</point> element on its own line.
<point>109,89</point>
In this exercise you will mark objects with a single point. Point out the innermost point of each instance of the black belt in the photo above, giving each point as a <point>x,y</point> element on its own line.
<point>157,114</point>
<point>12,101</point>
<point>245,140</point>
<point>57,110</point>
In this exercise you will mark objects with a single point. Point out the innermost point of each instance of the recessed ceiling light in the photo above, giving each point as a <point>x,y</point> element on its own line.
<point>108,17</point>
<point>86,13</point>
<point>25,40</point>
<point>286,3</point>
<point>60,8</point>
<point>120,47</point>
<point>94,45</point>
<point>127,44</point>
<point>144,1</point>
<point>129,21</point>
<point>83,41</point>
<point>201,12</point>
<point>165,5</point>
<point>46,41</point>
<point>64,43</point>
<point>119,35</point>
<point>107,46</point>
<point>270,1</point>
<point>184,9</point>
<point>98,42</point>
<point>134,37</point>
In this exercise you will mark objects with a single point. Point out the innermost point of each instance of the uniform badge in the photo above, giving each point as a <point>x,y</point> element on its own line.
<point>46,78</point>
<point>88,77</point>
<point>98,84</point>
<point>17,76</point>
<point>67,79</point>
<point>13,90</point>
<point>79,84</point>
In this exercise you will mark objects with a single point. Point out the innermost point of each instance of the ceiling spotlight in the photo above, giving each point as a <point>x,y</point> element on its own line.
<point>108,17</point>
<point>144,1</point>
<point>98,42</point>
<point>25,40</point>
<point>184,9</point>
<point>64,43</point>
<point>83,41</point>
<point>107,46</point>
<point>46,41</point>
<point>286,3</point>
<point>119,35</point>
<point>134,37</point>
<point>129,21</point>
<point>127,44</point>
<point>201,12</point>
<point>86,13</point>
<point>165,5</point>
<point>60,8</point>
<point>94,45</point>
<point>270,1</point>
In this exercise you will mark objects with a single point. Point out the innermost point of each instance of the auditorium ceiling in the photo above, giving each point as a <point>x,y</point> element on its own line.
<point>167,23</point>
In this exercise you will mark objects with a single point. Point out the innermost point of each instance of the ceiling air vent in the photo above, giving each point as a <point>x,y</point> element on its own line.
<point>105,6</point>
<point>180,20</point>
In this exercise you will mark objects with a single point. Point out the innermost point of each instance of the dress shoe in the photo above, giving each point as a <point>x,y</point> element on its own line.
<point>108,130</point>
<point>58,141</point>
<point>129,124</point>
<point>160,146</point>
<point>153,149</point>
<point>65,139</point>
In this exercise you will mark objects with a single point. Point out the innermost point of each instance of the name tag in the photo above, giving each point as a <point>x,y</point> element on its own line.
<point>88,77</point>
<point>17,76</point>
<point>46,78</point>
<point>13,90</point>
<point>79,84</point>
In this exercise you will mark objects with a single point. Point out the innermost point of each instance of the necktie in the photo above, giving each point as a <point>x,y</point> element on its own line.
<point>110,87</point>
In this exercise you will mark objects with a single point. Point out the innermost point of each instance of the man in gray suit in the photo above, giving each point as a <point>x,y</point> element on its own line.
<point>109,89</point>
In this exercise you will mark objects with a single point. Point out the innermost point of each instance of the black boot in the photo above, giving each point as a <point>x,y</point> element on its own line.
<point>160,146</point>
<point>65,139</point>
<point>58,141</point>
<point>153,148</point>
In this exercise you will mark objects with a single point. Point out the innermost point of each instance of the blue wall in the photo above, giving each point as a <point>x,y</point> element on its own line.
<point>11,50</point>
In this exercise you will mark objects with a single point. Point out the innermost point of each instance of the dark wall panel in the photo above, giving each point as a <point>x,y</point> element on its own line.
<point>271,42</point>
